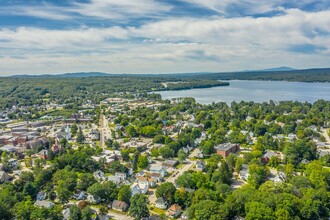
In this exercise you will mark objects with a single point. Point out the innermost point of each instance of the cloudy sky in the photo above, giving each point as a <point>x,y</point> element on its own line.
<point>162,36</point>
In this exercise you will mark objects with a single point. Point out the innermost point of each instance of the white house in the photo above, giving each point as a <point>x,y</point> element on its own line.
<point>158,169</point>
<point>161,203</point>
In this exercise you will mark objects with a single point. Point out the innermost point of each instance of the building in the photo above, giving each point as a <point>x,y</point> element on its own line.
<point>93,199</point>
<point>200,165</point>
<point>174,211</point>
<point>4,177</point>
<point>12,163</point>
<point>121,176</point>
<point>244,173</point>
<point>269,154</point>
<point>161,203</point>
<point>44,203</point>
<point>41,195</point>
<point>158,169</point>
<point>225,149</point>
<point>119,205</point>
<point>170,163</point>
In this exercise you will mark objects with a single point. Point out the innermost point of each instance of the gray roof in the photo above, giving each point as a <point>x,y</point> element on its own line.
<point>43,203</point>
<point>160,200</point>
<point>224,147</point>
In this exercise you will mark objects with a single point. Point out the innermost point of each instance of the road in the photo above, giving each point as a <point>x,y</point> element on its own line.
<point>118,216</point>
<point>114,215</point>
<point>189,164</point>
<point>105,131</point>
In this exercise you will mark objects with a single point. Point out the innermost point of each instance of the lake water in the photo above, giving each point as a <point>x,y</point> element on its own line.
<point>257,91</point>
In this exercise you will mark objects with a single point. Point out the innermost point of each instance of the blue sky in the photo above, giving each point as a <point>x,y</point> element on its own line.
<point>162,36</point>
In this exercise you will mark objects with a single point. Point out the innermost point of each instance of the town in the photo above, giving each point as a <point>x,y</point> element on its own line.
<point>146,158</point>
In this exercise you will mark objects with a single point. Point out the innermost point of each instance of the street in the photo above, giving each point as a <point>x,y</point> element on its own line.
<point>105,132</point>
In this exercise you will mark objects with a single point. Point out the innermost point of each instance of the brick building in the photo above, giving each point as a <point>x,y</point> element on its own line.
<point>225,149</point>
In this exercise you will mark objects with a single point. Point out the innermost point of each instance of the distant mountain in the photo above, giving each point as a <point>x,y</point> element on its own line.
<point>64,75</point>
<point>276,69</point>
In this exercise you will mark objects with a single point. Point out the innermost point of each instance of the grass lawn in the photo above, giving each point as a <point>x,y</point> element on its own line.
<point>118,212</point>
<point>157,210</point>
<point>180,165</point>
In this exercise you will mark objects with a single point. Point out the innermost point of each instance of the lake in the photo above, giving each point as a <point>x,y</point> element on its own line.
<point>257,91</point>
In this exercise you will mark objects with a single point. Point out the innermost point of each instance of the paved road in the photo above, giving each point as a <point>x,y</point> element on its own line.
<point>105,131</point>
<point>188,165</point>
<point>119,216</point>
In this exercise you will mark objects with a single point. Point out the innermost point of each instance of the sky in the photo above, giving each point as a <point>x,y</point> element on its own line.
<point>162,36</point>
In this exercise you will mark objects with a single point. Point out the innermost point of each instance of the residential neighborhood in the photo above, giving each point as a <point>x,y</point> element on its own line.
<point>135,153</point>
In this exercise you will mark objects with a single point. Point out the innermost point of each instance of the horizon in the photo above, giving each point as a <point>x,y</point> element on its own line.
<point>162,37</point>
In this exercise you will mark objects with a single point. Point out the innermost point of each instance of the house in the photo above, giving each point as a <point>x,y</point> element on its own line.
<point>200,165</point>
<point>139,174</point>
<point>99,175</point>
<point>4,176</point>
<point>158,169</point>
<point>93,199</point>
<point>12,163</point>
<point>174,211</point>
<point>143,183</point>
<point>43,154</point>
<point>292,137</point>
<point>141,186</point>
<point>121,176</point>
<point>119,205</point>
<point>279,178</point>
<point>268,154</point>
<point>244,173</point>
<point>225,149</point>
<point>114,179</point>
<point>94,135</point>
<point>170,163</point>
<point>152,182</point>
<point>161,203</point>
<point>66,214</point>
<point>80,195</point>
<point>41,195</point>
<point>44,203</point>
<point>156,176</point>
<point>63,135</point>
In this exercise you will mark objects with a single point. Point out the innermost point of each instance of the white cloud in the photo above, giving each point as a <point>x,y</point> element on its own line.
<point>171,45</point>
<point>121,10</point>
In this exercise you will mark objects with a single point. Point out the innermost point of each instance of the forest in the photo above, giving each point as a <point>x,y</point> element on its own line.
<point>37,90</point>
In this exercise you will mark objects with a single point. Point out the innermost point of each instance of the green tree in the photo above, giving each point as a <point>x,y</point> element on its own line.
<point>74,129</point>
<point>159,139</point>
<point>182,156</point>
<point>166,191</point>
<point>125,194</point>
<point>142,161</point>
<point>257,210</point>
<point>103,210</point>
<point>139,206</point>
<point>22,210</point>
<point>154,152</point>
<point>131,131</point>
<point>225,174</point>
<point>75,213</point>
<point>80,137</point>
<point>166,152</point>
<point>86,213</point>
<point>257,175</point>
<point>125,154</point>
